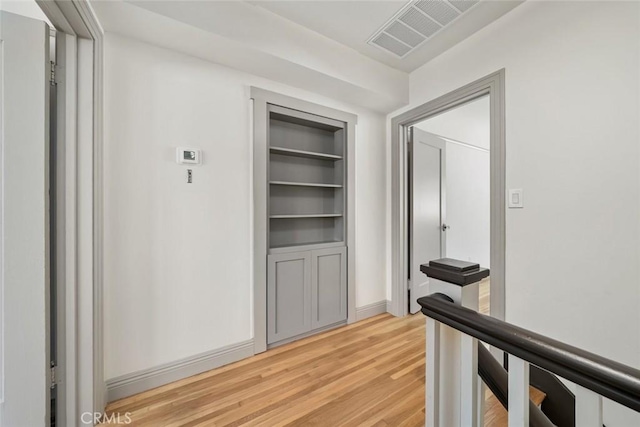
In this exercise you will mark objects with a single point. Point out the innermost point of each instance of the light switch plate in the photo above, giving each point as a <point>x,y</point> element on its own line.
<point>515,200</point>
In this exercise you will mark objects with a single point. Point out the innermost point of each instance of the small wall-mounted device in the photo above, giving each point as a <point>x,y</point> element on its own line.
<point>189,156</point>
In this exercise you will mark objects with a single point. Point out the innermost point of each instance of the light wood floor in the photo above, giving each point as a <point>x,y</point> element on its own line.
<point>367,374</point>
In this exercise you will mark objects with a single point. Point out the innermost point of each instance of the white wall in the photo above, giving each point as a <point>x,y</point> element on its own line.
<point>467,179</point>
<point>573,145</point>
<point>177,256</point>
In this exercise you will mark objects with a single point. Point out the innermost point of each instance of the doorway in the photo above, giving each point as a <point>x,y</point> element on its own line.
<point>490,87</point>
<point>448,195</point>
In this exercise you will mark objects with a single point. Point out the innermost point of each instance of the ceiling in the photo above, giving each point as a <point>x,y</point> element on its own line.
<point>352,23</point>
<point>241,36</point>
<point>320,46</point>
<point>28,8</point>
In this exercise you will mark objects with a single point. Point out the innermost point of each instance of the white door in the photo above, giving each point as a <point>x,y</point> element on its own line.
<point>427,201</point>
<point>24,275</point>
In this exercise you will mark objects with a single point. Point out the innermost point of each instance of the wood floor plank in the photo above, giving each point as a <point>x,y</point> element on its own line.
<point>370,373</point>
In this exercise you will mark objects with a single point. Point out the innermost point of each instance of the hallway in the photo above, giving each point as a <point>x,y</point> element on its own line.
<point>367,374</point>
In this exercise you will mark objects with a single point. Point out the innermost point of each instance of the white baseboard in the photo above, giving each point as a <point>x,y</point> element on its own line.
<point>371,310</point>
<point>137,382</point>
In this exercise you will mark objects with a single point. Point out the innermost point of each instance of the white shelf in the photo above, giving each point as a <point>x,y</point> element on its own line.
<point>305,184</point>
<point>306,154</point>
<point>332,215</point>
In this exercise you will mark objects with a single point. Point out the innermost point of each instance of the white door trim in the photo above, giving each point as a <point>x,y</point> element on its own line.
<point>493,85</point>
<point>80,124</point>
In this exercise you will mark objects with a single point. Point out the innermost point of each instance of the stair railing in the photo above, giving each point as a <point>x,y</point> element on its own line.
<point>452,365</point>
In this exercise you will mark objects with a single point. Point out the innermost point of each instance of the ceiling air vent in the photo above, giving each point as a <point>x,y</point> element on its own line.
<point>420,22</point>
<point>405,34</point>
<point>391,44</point>
<point>416,22</point>
<point>441,11</point>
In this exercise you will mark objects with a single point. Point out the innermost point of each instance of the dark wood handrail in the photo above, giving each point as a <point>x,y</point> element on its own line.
<point>606,377</point>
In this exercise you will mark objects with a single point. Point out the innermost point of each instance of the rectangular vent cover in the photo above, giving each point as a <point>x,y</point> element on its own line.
<point>391,44</point>
<point>416,22</point>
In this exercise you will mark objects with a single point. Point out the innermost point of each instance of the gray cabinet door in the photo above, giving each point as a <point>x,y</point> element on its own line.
<point>328,286</point>
<point>288,295</point>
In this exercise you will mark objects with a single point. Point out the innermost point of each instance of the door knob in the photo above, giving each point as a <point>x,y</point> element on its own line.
<point>445,227</point>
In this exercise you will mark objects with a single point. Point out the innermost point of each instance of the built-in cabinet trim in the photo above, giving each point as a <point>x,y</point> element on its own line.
<point>325,275</point>
<point>288,284</point>
<point>306,292</point>
<point>305,247</point>
<point>298,112</point>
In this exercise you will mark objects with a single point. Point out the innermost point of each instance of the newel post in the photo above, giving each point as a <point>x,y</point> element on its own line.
<point>454,394</point>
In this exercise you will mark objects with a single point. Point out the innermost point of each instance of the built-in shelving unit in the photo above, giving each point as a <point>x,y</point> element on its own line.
<point>306,179</point>
<point>304,240</point>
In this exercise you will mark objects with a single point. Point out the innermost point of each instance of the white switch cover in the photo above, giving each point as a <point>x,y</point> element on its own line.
<point>516,198</point>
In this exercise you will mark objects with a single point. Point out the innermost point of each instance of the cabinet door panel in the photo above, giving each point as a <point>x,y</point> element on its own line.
<point>288,295</point>
<point>328,286</point>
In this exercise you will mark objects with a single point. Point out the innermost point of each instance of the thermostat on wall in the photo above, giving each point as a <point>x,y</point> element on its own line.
<point>189,156</point>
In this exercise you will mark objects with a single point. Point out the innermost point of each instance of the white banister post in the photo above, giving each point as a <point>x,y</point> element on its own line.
<point>519,392</point>
<point>468,381</point>
<point>432,392</point>
<point>452,390</point>
<point>458,394</point>
<point>588,408</point>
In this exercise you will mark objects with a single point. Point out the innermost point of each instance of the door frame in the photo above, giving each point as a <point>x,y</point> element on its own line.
<point>410,186</point>
<point>494,86</point>
<point>79,77</point>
